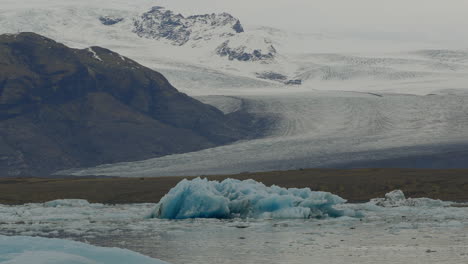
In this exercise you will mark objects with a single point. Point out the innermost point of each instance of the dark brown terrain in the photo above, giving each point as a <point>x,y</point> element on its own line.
<point>63,108</point>
<point>357,185</point>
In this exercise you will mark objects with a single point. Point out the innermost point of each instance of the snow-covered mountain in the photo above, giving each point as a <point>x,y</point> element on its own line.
<point>220,46</point>
<point>159,23</point>
<point>198,30</point>
<point>360,99</point>
<point>215,42</point>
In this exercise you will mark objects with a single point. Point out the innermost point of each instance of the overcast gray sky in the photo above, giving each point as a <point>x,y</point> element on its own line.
<point>435,19</point>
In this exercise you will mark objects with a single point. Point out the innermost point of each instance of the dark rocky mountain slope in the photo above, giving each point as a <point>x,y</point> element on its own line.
<point>62,108</point>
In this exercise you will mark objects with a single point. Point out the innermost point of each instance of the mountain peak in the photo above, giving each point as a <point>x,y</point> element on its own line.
<point>160,23</point>
<point>223,30</point>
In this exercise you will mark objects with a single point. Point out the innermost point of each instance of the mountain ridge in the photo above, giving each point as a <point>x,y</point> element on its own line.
<point>63,108</point>
<point>162,24</point>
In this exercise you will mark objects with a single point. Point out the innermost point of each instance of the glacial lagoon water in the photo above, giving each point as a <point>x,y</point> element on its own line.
<point>390,230</point>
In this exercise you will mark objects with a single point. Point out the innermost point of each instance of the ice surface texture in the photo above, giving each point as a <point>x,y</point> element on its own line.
<point>200,198</point>
<point>27,250</point>
<point>397,199</point>
<point>67,203</point>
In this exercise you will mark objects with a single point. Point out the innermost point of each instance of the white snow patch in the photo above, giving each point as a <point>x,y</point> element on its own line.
<point>94,54</point>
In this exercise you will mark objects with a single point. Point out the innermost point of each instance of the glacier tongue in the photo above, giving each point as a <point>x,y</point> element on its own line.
<point>200,198</point>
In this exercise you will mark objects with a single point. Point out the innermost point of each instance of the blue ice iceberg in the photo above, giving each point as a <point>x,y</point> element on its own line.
<point>28,250</point>
<point>200,198</point>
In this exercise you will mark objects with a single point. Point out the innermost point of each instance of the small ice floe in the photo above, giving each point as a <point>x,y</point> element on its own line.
<point>397,198</point>
<point>56,251</point>
<point>94,54</point>
<point>200,198</point>
<point>67,203</point>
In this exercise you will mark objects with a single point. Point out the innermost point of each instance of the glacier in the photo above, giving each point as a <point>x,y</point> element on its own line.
<point>201,198</point>
<point>26,250</point>
<point>362,103</point>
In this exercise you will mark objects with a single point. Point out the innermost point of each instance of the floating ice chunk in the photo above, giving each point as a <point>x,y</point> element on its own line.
<point>396,195</point>
<point>27,250</point>
<point>397,198</point>
<point>231,198</point>
<point>67,203</point>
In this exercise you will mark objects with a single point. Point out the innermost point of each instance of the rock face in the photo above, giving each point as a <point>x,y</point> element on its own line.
<point>159,23</point>
<point>62,108</point>
<point>294,82</point>
<point>109,20</point>
<point>223,30</point>
<point>245,53</point>
<point>274,76</point>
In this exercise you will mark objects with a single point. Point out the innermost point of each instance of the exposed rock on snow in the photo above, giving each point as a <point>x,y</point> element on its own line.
<point>109,20</point>
<point>231,198</point>
<point>223,30</point>
<point>397,198</point>
<point>274,76</point>
<point>236,49</point>
<point>159,23</point>
<point>294,82</point>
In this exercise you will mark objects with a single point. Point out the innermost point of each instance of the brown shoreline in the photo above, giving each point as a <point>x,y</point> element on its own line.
<point>357,185</point>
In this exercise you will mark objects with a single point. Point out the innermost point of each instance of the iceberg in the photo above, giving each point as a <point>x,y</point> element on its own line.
<point>397,198</point>
<point>27,250</point>
<point>200,198</point>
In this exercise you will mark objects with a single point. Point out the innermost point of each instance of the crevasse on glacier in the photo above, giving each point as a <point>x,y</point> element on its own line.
<point>200,198</point>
